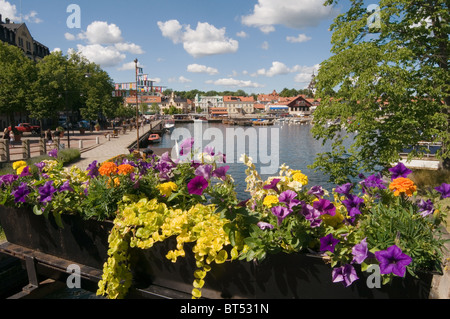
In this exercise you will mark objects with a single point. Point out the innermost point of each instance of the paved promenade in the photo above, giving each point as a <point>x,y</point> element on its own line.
<point>92,145</point>
<point>97,146</point>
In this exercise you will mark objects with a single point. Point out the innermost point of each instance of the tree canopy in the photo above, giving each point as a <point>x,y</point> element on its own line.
<point>386,87</point>
<point>55,84</point>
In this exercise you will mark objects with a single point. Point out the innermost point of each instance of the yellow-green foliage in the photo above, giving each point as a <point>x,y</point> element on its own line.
<point>146,222</point>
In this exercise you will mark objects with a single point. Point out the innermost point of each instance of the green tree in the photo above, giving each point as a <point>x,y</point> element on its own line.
<point>155,108</point>
<point>390,81</point>
<point>16,77</point>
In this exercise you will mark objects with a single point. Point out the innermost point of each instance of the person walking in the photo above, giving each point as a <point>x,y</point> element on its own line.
<point>11,138</point>
<point>49,136</point>
<point>6,134</point>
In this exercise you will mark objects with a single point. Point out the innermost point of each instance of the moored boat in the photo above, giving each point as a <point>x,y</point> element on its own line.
<point>154,138</point>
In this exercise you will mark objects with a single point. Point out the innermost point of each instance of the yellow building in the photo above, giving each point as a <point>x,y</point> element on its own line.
<point>17,34</point>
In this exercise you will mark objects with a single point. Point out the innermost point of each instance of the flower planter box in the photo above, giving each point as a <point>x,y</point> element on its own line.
<point>278,277</point>
<point>80,241</point>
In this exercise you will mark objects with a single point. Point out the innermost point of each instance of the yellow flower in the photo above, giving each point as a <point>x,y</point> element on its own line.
<point>166,189</point>
<point>300,177</point>
<point>19,164</point>
<point>270,200</point>
<point>20,170</point>
<point>403,185</point>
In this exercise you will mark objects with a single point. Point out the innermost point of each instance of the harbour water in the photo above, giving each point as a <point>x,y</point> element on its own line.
<point>269,147</point>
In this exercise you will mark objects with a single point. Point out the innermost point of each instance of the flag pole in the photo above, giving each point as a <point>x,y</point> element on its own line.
<point>137,106</point>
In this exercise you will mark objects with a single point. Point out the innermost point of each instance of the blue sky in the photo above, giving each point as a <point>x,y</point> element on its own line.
<point>254,45</point>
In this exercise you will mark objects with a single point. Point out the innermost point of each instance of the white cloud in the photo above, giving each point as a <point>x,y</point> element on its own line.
<point>242,34</point>
<point>235,83</point>
<point>265,45</point>
<point>205,40</point>
<point>69,36</point>
<point>298,39</point>
<point>197,68</point>
<point>279,68</point>
<point>100,32</point>
<point>180,79</point>
<point>9,11</point>
<point>130,66</point>
<point>106,56</point>
<point>105,45</point>
<point>294,14</point>
<point>129,47</point>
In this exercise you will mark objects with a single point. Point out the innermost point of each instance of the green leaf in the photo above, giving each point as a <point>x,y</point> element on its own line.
<point>37,211</point>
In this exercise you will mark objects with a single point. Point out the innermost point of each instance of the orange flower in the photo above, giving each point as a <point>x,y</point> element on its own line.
<point>125,169</point>
<point>107,169</point>
<point>403,185</point>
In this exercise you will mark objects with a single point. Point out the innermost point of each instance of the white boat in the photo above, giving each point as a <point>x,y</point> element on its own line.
<point>169,126</point>
<point>201,120</point>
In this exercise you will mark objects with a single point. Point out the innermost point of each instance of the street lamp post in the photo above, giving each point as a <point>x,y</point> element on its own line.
<point>68,124</point>
<point>137,106</point>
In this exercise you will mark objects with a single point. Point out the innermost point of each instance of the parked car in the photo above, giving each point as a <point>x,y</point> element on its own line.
<point>27,128</point>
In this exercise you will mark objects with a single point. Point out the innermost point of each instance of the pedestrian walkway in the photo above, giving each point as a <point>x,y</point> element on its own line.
<point>99,147</point>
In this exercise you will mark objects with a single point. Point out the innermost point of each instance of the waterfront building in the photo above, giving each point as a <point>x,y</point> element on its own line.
<point>239,105</point>
<point>205,103</point>
<point>163,102</point>
<point>17,34</point>
<point>295,106</point>
<point>265,99</point>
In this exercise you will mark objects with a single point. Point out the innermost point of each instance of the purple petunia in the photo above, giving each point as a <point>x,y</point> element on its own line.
<point>8,179</point>
<point>311,214</point>
<point>205,171</point>
<point>360,252</point>
<point>400,170</point>
<point>20,194</point>
<point>373,181</point>
<point>93,170</point>
<point>186,146</point>
<point>40,166</point>
<point>345,274</point>
<point>197,185</point>
<point>209,150</point>
<point>444,189</point>
<point>272,185</point>
<point>344,189</point>
<point>393,260</point>
<point>288,198</point>
<point>65,187</point>
<point>264,225</point>
<point>324,206</point>
<point>47,192</point>
<point>281,213</point>
<point>221,172</point>
<point>425,207</point>
<point>328,243</point>
<point>26,172</point>
<point>53,153</point>
<point>317,191</point>
<point>353,204</point>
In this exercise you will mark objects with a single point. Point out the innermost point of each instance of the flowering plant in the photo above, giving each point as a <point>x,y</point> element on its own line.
<point>383,224</point>
<point>378,221</point>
